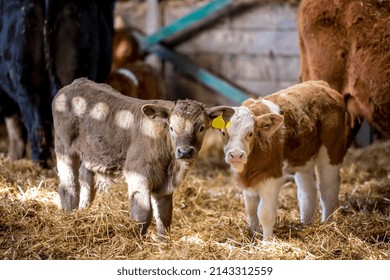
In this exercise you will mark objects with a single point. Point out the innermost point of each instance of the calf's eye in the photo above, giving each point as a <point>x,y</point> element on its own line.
<point>223,133</point>
<point>250,134</point>
<point>201,129</point>
<point>171,128</point>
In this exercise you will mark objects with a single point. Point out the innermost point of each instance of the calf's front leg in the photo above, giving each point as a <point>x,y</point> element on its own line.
<point>251,201</point>
<point>268,206</point>
<point>162,208</point>
<point>68,173</point>
<point>140,200</point>
<point>87,186</point>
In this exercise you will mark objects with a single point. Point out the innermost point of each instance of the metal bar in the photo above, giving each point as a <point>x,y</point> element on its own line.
<point>184,22</point>
<point>205,77</point>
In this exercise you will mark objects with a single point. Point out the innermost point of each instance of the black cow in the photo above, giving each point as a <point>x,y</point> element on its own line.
<point>45,45</point>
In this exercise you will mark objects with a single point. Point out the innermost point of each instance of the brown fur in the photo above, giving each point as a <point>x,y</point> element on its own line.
<point>266,158</point>
<point>346,43</point>
<point>314,115</point>
<point>124,48</point>
<point>150,83</point>
<point>126,55</point>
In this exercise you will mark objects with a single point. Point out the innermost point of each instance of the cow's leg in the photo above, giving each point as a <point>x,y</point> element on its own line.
<point>162,209</point>
<point>102,182</point>
<point>268,206</point>
<point>87,186</point>
<point>17,145</point>
<point>251,201</point>
<point>307,192</point>
<point>328,183</point>
<point>40,137</point>
<point>68,173</point>
<point>140,200</point>
<point>38,127</point>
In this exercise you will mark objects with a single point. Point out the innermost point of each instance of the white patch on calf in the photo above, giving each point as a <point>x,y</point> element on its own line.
<point>180,125</point>
<point>60,104</point>
<point>65,170</point>
<point>251,202</point>
<point>274,108</point>
<point>307,191</point>
<point>328,180</point>
<point>124,119</point>
<point>242,123</point>
<point>128,74</point>
<point>99,111</point>
<point>317,174</point>
<point>266,209</point>
<point>79,105</point>
<point>137,184</point>
<point>151,128</point>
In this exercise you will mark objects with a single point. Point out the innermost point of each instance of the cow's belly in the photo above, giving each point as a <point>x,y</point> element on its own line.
<point>108,167</point>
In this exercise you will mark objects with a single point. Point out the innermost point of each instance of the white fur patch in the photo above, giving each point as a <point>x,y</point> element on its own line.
<point>135,179</point>
<point>274,108</point>
<point>151,128</point>
<point>138,183</point>
<point>328,177</point>
<point>242,123</point>
<point>268,192</point>
<point>317,174</point>
<point>124,119</point>
<point>65,170</point>
<point>99,111</point>
<point>60,104</point>
<point>79,105</point>
<point>128,74</point>
<point>307,191</point>
<point>181,125</point>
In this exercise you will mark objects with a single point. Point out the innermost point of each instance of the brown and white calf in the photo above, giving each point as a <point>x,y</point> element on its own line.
<point>298,130</point>
<point>130,75</point>
<point>151,143</point>
<point>139,80</point>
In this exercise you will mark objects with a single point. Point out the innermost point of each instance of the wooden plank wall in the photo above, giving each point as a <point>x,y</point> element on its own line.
<point>255,48</point>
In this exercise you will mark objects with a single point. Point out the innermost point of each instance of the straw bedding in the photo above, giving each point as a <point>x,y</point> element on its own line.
<point>208,221</point>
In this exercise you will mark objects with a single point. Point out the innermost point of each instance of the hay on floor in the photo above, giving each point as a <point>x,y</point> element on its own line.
<point>209,219</point>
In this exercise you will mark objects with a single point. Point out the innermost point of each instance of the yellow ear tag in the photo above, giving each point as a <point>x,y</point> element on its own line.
<point>218,122</point>
<point>228,124</point>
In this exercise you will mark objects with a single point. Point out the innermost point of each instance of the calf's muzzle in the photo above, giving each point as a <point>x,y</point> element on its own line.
<point>236,156</point>
<point>185,152</point>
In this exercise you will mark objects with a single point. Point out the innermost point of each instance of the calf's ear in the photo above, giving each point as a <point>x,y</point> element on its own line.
<point>220,116</point>
<point>268,123</point>
<point>156,112</point>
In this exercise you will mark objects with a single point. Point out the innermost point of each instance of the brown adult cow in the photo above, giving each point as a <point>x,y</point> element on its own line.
<point>347,44</point>
<point>152,143</point>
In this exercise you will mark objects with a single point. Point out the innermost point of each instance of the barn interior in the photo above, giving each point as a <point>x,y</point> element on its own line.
<point>253,45</point>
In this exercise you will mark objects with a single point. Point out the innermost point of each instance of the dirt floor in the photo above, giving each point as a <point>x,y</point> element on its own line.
<point>209,219</point>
